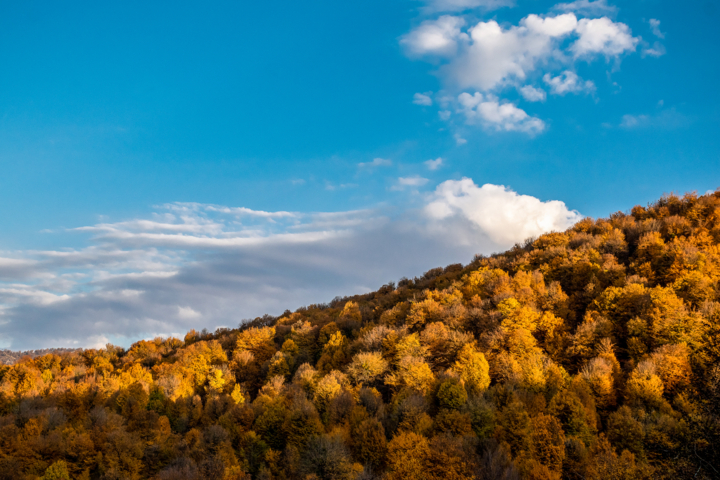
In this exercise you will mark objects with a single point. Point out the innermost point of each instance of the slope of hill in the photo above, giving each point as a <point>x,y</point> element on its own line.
<point>587,354</point>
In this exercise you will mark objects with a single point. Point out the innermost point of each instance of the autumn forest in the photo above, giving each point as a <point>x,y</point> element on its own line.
<point>590,354</point>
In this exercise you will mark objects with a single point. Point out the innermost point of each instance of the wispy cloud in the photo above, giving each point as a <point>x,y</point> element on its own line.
<point>587,7</point>
<point>414,181</point>
<point>341,186</point>
<point>433,6</point>
<point>656,49</point>
<point>434,164</point>
<point>376,162</point>
<point>655,26</point>
<point>664,119</point>
<point>423,99</point>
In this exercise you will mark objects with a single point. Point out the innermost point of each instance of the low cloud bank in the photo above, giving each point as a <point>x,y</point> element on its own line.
<point>203,266</point>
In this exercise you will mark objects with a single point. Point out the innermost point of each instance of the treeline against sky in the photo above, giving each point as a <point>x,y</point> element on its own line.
<point>8,357</point>
<point>589,354</point>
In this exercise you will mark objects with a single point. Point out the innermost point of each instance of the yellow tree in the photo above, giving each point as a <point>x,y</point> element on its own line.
<point>472,368</point>
<point>408,457</point>
<point>367,367</point>
<point>644,385</point>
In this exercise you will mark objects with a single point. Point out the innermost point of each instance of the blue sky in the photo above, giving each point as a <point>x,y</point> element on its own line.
<point>132,133</point>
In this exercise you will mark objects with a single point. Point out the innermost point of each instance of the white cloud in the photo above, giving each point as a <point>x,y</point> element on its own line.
<point>656,50</point>
<point>494,56</point>
<point>655,25</point>
<point>459,140</point>
<point>413,182</point>
<point>434,164</point>
<point>488,111</point>
<point>129,283</point>
<point>97,341</point>
<point>376,162</point>
<point>553,27</point>
<point>461,5</point>
<point>588,8</point>
<point>187,313</point>
<point>422,99</point>
<point>484,58</point>
<point>603,36</point>
<point>505,216</point>
<point>533,94</point>
<point>435,37</point>
<point>488,56</point>
<point>568,82</point>
<point>187,209</point>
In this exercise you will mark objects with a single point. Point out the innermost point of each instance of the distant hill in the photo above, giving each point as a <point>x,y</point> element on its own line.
<point>8,357</point>
<point>591,354</point>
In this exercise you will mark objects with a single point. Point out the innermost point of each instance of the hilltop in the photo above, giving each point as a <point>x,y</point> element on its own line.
<point>586,354</point>
<point>9,357</point>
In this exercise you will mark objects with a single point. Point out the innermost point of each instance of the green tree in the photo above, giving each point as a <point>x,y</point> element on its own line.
<point>57,471</point>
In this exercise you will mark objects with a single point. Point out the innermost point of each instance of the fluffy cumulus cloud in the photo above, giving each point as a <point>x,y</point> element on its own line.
<point>435,37</point>
<point>604,37</point>
<point>501,214</point>
<point>487,58</point>
<point>490,112</point>
<point>492,56</point>
<point>533,94</point>
<point>204,266</point>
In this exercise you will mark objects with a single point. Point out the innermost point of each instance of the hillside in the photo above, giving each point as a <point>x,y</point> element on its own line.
<point>587,354</point>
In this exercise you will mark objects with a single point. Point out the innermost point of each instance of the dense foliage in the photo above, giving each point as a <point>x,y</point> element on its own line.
<point>587,354</point>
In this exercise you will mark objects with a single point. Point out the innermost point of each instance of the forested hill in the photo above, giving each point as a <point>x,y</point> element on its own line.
<point>589,354</point>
